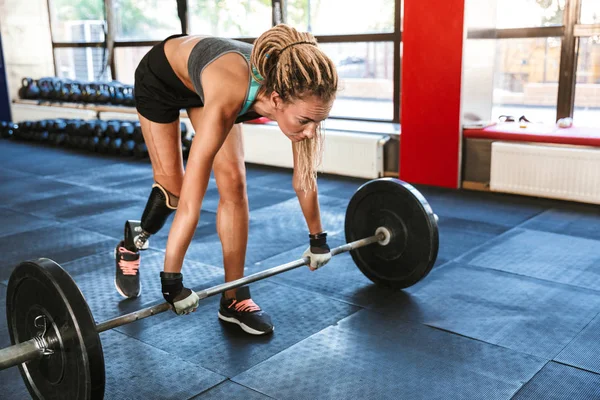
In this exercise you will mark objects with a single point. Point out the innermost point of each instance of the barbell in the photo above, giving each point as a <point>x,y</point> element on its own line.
<point>56,341</point>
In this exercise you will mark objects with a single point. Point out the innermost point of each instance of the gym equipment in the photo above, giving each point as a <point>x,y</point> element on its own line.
<point>393,238</point>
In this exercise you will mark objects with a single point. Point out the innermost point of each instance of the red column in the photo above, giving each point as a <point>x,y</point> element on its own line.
<point>432,38</point>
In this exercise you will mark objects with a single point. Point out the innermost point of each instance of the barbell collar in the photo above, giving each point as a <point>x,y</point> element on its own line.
<point>202,294</point>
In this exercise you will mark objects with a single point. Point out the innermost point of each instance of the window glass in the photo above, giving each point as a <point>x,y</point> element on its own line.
<point>526,78</point>
<point>590,12</point>
<point>82,64</point>
<point>146,19</point>
<point>332,17</point>
<point>587,89</point>
<point>77,21</point>
<point>230,18</point>
<point>366,72</point>
<point>530,13</point>
<point>127,60</point>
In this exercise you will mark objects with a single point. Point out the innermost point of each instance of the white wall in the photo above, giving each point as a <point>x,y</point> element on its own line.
<point>26,41</point>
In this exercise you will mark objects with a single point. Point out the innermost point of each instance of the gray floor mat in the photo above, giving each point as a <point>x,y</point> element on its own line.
<point>340,278</point>
<point>130,376</point>
<point>524,314</point>
<point>14,222</point>
<point>369,356</point>
<point>584,351</point>
<point>231,391</point>
<point>30,189</point>
<point>576,220</point>
<point>458,236</point>
<point>77,205</point>
<point>66,244</point>
<point>95,277</point>
<point>493,208</point>
<point>560,382</point>
<point>107,175</point>
<point>224,348</point>
<point>544,255</point>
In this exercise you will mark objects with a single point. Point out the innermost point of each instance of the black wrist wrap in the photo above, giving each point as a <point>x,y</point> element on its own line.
<point>172,285</point>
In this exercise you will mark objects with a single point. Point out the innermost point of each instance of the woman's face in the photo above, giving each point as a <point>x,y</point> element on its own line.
<point>299,119</point>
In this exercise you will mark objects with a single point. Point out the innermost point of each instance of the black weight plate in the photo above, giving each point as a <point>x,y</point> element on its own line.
<point>76,369</point>
<point>400,207</point>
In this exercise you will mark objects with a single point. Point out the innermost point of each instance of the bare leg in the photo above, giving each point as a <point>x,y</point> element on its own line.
<point>164,147</point>
<point>232,213</point>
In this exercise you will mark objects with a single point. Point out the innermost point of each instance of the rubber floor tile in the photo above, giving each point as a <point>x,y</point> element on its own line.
<point>573,219</point>
<point>558,382</point>
<point>369,356</point>
<point>230,391</point>
<point>460,236</point>
<point>14,222</point>
<point>524,314</point>
<point>53,161</point>
<point>340,278</point>
<point>544,255</point>
<point>106,175</point>
<point>584,351</point>
<point>34,188</point>
<point>95,276</point>
<point>111,223</point>
<point>135,370</point>
<point>59,243</point>
<point>224,348</point>
<point>492,208</point>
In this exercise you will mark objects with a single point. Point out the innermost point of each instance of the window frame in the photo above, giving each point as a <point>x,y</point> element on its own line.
<point>395,37</point>
<point>569,33</point>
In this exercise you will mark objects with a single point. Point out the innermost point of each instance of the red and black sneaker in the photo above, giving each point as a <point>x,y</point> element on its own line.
<point>127,277</point>
<point>245,313</point>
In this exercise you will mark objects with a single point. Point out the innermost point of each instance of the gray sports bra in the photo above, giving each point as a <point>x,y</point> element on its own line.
<point>208,50</point>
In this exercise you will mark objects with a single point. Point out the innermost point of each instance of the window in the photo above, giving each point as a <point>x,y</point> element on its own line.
<point>590,12</point>
<point>127,60</point>
<point>363,44</point>
<point>77,21</point>
<point>319,16</point>
<point>82,64</point>
<point>526,78</point>
<point>530,13</point>
<point>366,72</point>
<point>230,18</point>
<point>146,19</point>
<point>587,89</point>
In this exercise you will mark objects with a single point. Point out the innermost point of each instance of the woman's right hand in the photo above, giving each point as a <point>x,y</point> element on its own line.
<point>182,300</point>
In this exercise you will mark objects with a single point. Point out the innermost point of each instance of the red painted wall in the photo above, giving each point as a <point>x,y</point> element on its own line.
<point>432,37</point>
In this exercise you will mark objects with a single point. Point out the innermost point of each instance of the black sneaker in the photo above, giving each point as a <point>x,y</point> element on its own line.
<point>127,278</point>
<point>244,312</point>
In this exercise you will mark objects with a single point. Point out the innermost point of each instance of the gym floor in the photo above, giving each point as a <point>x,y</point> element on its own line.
<point>511,309</point>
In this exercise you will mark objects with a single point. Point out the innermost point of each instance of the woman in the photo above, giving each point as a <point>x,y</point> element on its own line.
<point>221,82</point>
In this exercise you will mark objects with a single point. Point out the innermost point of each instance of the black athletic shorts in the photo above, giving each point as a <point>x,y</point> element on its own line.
<point>159,93</point>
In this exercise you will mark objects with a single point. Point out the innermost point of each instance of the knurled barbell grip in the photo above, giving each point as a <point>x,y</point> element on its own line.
<point>202,294</point>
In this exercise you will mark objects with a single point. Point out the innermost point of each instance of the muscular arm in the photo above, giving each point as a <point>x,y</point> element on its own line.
<point>309,201</point>
<point>205,146</point>
<point>224,95</point>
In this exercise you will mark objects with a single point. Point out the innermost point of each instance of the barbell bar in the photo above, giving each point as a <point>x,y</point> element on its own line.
<point>56,340</point>
<point>39,346</point>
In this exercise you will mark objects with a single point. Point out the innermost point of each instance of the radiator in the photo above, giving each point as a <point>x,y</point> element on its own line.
<point>346,153</point>
<point>560,172</point>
